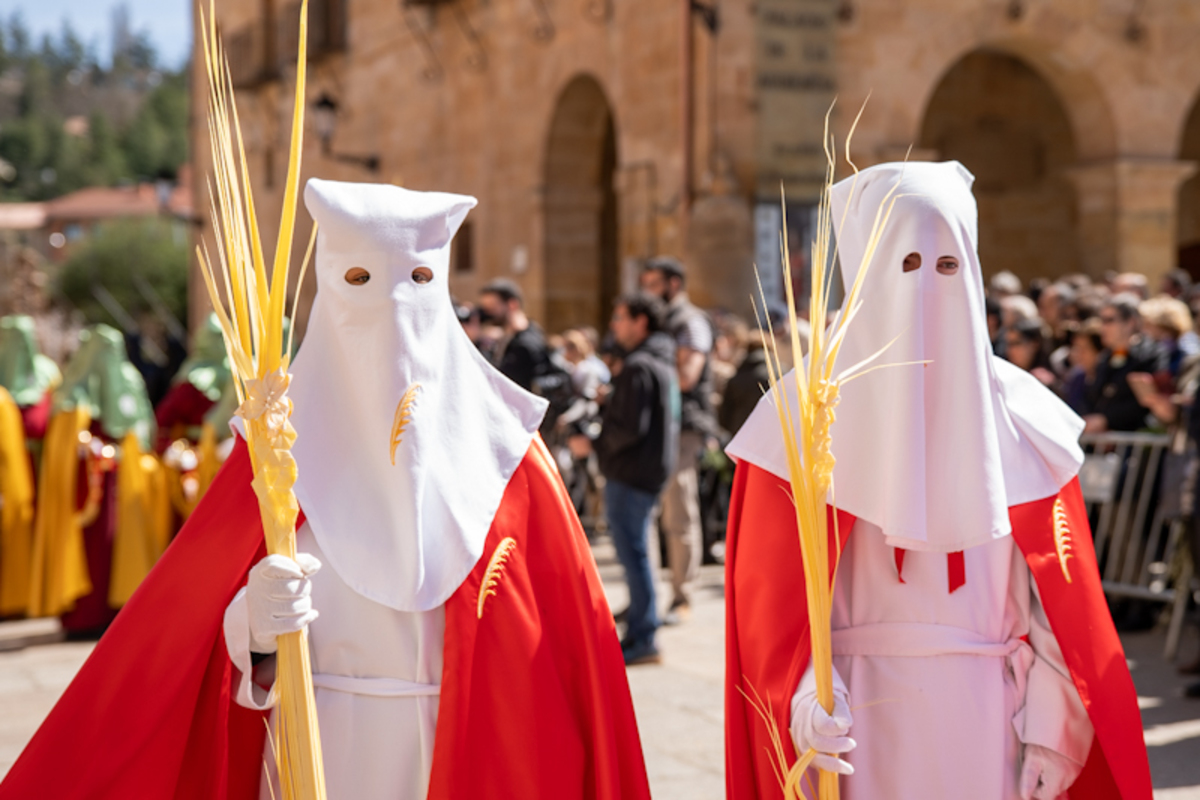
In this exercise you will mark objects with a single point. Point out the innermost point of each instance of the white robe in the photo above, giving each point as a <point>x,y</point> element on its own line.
<point>377,673</point>
<point>942,688</point>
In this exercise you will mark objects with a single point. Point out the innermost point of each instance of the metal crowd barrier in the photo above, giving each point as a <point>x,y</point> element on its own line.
<point>1133,491</point>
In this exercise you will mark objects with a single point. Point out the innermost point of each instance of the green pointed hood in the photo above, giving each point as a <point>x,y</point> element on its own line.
<point>207,365</point>
<point>227,403</point>
<point>24,372</point>
<point>100,377</point>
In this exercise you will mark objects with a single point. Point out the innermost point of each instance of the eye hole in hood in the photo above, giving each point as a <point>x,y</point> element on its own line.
<point>947,265</point>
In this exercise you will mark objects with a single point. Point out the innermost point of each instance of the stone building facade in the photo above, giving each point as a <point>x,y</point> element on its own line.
<point>598,132</point>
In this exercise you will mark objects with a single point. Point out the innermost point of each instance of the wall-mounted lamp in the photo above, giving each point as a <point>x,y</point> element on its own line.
<point>325,113</point>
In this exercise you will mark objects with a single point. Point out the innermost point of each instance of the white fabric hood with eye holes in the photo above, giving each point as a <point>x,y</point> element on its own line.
<point>936,454</point>
<point>403,534</point>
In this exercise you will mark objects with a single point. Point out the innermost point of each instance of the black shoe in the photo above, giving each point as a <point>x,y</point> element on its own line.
<point>1192,692</point>
<point>642,653</point>
<point>622,616</point>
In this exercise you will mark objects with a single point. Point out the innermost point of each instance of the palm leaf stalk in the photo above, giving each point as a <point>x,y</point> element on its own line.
<point>807,436</point>
<point>253,329</point>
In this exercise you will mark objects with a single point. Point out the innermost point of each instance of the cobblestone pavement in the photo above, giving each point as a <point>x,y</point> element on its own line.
<point>679,703</point>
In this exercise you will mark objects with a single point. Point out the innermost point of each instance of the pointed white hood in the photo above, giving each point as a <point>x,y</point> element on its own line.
<point>935,454</point>
<point>404,534</point>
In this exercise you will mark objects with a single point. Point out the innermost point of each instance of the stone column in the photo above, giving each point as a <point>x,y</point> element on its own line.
<point>1127,214</point>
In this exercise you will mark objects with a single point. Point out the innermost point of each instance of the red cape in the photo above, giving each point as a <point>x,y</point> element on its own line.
<point>767,636</point>
<point>534,699</point>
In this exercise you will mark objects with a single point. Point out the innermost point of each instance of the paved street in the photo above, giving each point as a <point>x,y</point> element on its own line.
<point>679,703</point>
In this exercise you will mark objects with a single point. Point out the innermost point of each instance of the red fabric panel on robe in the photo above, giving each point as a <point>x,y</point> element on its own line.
<point>534,693</point>
<point>1078,615</point>
<point>956,569</point>
<point>767,642</point>
<point>535,702</point>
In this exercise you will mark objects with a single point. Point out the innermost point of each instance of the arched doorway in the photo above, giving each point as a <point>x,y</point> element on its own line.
<point>580,208</point>
<point>1188,230</point>
<point>1002,120</point>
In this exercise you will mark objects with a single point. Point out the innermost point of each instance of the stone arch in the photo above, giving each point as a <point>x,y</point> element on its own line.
<point>1188,220</point>
<point>580,208</point>
<point>1000,117</point>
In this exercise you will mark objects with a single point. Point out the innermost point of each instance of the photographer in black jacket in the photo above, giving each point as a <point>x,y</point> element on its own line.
<point>637,449</point>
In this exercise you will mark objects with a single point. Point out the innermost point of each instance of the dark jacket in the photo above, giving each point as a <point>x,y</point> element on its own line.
<point>1111,394</point>
<point>744,390</point>
<point>639,434</point>
<point>525,357</point>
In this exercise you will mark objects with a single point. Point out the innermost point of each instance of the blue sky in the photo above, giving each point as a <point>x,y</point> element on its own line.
<point>169,22</point>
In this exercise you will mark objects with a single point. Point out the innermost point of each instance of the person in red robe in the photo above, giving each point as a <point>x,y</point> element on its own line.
<point>195,389</point>
<point>461,643</point>
<point>974,655</point>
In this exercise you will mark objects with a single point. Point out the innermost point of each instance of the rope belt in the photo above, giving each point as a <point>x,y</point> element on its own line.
<point>924,640</point>
<point>375,687</point>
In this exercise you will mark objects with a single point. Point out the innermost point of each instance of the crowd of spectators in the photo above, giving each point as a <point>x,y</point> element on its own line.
<point>1124,357</point>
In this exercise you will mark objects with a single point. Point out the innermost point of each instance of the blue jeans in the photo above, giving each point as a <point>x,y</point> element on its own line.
<point>628,510</point>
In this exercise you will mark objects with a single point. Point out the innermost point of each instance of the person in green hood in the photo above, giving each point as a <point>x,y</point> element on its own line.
<point>101,378</point>
<point>102,402</point>
<point>201,379</point>
<point>29,376</point>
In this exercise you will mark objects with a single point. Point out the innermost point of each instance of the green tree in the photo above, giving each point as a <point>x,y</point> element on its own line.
<point>37,90</point>
<point>72,52</point>
<point>18,37</point>
<point>48,162</point>
<point>156,142</point>
<point>116,256</point>
<point>106,161</point>
<point>6,58</point>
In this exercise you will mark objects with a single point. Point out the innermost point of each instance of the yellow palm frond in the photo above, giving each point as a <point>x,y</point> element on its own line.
<point>807,430</point>
<point>253,331</point>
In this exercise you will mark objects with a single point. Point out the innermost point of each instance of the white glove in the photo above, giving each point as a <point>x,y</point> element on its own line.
<point>825,733</point>
<point>279,599</point>
<point>1046,774</point>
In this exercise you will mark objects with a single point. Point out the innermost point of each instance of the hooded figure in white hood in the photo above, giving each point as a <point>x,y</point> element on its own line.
<point>939,633</point>
<point>431,513</point>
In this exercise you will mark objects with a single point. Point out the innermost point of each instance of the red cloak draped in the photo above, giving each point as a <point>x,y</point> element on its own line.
<point>534,699</point>
<point>767,636</point>
<point>182,408</point>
